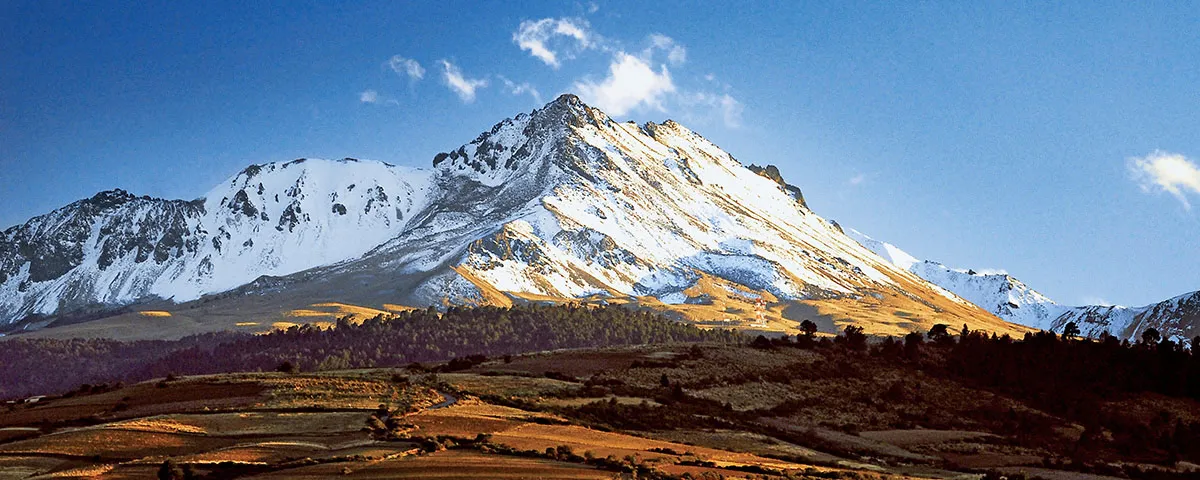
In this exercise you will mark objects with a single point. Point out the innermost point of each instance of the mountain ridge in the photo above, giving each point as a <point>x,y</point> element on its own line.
<point>1007,297</point>
<point>559,203</point>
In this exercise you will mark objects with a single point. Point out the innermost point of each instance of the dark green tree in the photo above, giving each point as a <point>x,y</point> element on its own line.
<point>939,333</point>
<point>170,471</point>
<point>1150,336</point>
<point>287,367</point>
<point>855,338</point>
<point>809,328</point>
<point>1070,331</point>
<point>912,345</point>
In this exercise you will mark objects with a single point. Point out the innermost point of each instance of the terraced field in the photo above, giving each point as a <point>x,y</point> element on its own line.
<point>664,411</point>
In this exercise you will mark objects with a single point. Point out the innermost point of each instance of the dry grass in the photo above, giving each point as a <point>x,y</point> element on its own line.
<point>89,471</point>
<point>578,402</point>
<point>743,442</point>
<point>751,396</point>
<point>333,392</point>
<point>18,467</point>
<point>506,386</point>
<point>330,312</point>
<point>249,423</point>
<point>539,437</point>
<point>155,313</point>
<point>467,420</point>
<point>912,438</point>
<point>450,464</point>
<point>113,444</point>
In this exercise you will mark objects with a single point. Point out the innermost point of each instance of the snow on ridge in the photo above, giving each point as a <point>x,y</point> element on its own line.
<point>889,252</point>
<point>561,201</point>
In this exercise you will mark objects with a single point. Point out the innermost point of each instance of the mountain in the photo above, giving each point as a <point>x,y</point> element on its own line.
<point>563,203</point>
<point>1010,299</point>
<point>116,248</point>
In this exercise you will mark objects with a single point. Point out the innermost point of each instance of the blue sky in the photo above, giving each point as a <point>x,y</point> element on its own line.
<point>1057,141</point>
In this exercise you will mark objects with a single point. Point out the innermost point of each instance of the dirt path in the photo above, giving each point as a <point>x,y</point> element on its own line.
<point>447,400</point>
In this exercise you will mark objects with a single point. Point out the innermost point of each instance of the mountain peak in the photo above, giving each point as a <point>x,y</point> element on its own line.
<point>567,99</point>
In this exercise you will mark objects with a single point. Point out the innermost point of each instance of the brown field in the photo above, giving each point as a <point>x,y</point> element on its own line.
<point>912,438</point>
<point>467,420</point>
<point>451,464</point>
<point>112,444</point>
<point>577,402</point>
<point>20,467</point>
<point>821,413</point>
<point>506,386</point>
<point>745,442</point>
<point>250,423</point>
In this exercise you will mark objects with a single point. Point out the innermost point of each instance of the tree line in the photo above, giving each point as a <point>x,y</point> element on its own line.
<point>39,366</point>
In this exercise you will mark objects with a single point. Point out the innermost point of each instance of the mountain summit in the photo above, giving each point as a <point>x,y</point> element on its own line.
<point>562,203</point>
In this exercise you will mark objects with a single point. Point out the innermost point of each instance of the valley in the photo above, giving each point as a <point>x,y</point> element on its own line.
<point>674,410</point>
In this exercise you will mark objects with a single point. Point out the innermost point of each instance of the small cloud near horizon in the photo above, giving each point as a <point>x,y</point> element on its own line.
<point>1167,172</point>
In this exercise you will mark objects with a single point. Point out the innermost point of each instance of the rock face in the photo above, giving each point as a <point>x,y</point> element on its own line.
<point>563,202</point>
<point>1013,300</point>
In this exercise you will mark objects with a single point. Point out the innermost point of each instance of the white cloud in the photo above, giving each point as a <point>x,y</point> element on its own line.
<point>368,96</point>
<point>676,53</point>
<point>593,7</point>
<point>463,86</point>
<point>522,88</point>
<point>704,106</point>
<point>631,83</point>
<point>857,179</point>
<point>407,67</point>
<point>1169,172</point>
<point>535,36</point>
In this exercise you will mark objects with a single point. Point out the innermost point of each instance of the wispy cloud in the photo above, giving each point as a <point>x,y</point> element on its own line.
<point>712,107</point>
<point>538,35</point>
<point>369,96</point>
<point>406,67</point>
<point>1169,172</point>
<point>857,179</point>
<point>631,83</point>
<point>522,88</point>
<point>676,53</point>
<point>461,85</point>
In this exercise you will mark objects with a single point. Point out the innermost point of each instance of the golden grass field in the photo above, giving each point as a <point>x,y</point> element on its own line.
<point>271,425</point>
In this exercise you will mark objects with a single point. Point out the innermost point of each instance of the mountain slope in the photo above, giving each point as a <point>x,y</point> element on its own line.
<point>1014,301</point>
<point>561,203</point>
<point>274,219</point>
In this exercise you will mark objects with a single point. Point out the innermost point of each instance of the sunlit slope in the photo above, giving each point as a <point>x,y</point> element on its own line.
<point>561,204</point>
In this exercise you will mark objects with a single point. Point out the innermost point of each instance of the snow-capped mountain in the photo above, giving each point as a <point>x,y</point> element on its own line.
<point>998,293</point>
<point>563,203</point>
<point>274,219</point>
<point>1013,300</point>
